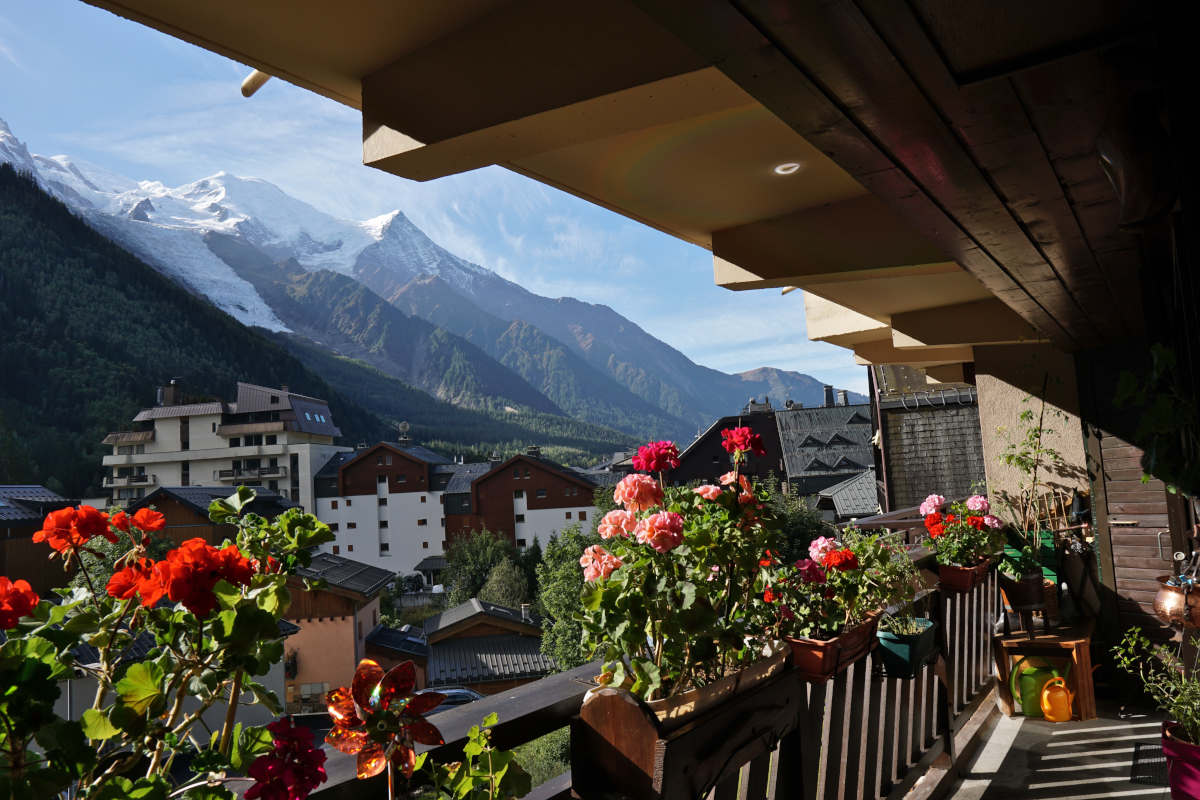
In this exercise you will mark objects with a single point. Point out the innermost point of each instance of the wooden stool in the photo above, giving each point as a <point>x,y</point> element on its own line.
<point>1074,641</point>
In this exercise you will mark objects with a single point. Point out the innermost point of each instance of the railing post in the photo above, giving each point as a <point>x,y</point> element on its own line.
<point>943,668</point>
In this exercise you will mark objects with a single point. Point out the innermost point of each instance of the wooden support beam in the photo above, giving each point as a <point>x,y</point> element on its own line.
<point>979,322</point>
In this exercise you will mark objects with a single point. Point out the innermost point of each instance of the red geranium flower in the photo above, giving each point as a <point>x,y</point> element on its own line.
<point>842,560</point>
<point>769,596</point>
<point>72,528</point>
<point>190,572</point>
<point>147,519</point>
<point>656,457</point>
<point>17,599</point>
<point>120,521</point>
<point>378,718</point>
<point>292,770</point>
<point>975,522</point>
<point>742,440</point>
<point>140,579</point>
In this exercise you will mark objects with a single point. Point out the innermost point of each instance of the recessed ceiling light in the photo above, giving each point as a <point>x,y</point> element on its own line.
<point>786,168</point>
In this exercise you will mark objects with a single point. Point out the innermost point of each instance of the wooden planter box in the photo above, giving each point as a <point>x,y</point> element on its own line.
<point>953,579</point>
<point>620,747</point>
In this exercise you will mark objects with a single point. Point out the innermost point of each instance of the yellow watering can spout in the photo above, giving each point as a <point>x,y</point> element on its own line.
<point>1057,700</point>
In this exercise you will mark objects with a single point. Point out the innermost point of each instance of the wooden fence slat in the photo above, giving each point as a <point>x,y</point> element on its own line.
<point>851,785</point>
<point>904,720</point>
<point>916,735</point>
<point>753,784</point>
<point>873,742</point>
<point>930,712</point>
<point>727,789</point>
<point>837,734</point>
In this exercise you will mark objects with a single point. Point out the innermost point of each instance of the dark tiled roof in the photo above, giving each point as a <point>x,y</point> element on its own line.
<point>351,576</point>
<point>433,563</point>
<point>189,410</point>
<point>474,606</point>
<point>826,440</point>
<point>28,503</point>
<point>407,640</point>
<point>856,497</point>
<point>266,503</point>
<point>478,659</point>
<point>423,453</point>
<point>599,477</point>
<point>463,476</point>
<point>330,470</point>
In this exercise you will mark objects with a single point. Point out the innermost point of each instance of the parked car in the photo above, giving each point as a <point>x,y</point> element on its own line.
<point>455,696</point>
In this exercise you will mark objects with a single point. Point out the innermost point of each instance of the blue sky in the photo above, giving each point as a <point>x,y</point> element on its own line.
<point>81,81</point>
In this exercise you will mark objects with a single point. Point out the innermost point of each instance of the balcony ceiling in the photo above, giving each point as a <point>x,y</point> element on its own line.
<point>945,150</point>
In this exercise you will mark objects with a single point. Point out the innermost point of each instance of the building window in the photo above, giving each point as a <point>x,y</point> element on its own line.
<point>349,548</point>
<point>308,416</point>
<point>184,434</point>
<point>516,472</point>
<point>235,441</point>
<point>443,522</point>
<point>387,459</point>
<point>521,543</point>
<point>520,518</point>
<point>421,523</point>
<point>351,525</point>
<point>274,399</point>
<point>402,479</point>
<point>349,502</point>
<point>518,494</point>
<point>139,450</point>
<point>541,492</point>
<point>526,473</point>
<point>273,486</point>
<point>383,523</point>
<point>582,516</point>
<point>214,427</point>
<point>381,479</point>
<point>333,526</point>
<point>442,499</point>
<point>568,515</point>
<point>336,550</point>
<point>272,439</point>
<point>333,504</point>
<point>384,547</point>
<point>383,501</point>
<point>422,498</point>
<point>185,474</point>
<point>424,545</point>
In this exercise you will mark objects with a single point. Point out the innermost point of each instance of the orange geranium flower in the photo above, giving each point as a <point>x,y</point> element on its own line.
<point>17,599</point>
<point>68,529</point>
<point>149,520</point>
<point>378,718</point>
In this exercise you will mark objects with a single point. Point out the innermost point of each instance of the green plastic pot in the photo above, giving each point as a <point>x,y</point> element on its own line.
<point>903,654</point>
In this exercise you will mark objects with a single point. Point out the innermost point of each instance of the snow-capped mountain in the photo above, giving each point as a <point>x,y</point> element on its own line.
<point>173,228</point>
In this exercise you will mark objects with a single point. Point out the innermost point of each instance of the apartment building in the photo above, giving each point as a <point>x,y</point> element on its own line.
<point>267,437</point>
<point>393,505</point>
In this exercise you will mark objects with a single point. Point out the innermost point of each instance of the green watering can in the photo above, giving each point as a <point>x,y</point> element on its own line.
<point>1026,684</point>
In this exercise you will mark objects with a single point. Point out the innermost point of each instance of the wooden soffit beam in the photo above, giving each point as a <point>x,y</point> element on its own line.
<point>980,322</point>
<point>884,352</point>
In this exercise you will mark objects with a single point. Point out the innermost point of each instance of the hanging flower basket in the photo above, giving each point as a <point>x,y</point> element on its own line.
<point>818,660</point>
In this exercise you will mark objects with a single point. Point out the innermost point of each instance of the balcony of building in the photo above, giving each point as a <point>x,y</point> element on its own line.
<point>249,473</point>
<point>251,428</point>
<point>121,481</point>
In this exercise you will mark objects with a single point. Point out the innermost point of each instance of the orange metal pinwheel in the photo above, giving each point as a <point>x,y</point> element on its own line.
<point>379,718</point>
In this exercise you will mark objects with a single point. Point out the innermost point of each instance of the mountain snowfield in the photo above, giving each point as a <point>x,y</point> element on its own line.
<point>171,229</point>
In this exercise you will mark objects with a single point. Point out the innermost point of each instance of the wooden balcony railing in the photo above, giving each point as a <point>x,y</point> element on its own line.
<point>860,735</point>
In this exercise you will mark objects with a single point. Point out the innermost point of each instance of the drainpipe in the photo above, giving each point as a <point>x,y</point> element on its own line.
<point>874,391</point>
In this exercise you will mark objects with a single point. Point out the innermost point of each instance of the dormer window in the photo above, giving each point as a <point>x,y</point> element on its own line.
<point>274,399</point>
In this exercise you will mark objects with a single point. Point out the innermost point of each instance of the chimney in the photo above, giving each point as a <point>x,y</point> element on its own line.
<point>284,389</point>
<point>171,394</point>
<point>525,613</point>
<point>843,397</point>
<point>495,458</point>
<point>533,451</point>
<point>828,396</point>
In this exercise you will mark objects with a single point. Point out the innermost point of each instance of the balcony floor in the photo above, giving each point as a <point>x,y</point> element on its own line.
<point>1042,760</point>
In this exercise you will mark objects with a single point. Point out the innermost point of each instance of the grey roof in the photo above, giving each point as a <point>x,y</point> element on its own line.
<point>188,410</point>
<point>330,470</point>
<point>313,416</point>
<point>463,475</point>
<point>478,659</point>
<point>343,573</point>
<point>28,502</point>
<point>855,497</point>
<point>143,643</point>
<point>474,606</point>
<point>825,440</point>
<point>600,477</point>
<point>431,563</point>
<point>266,502</point>
<point>407,640</point>
<point>423,453</point>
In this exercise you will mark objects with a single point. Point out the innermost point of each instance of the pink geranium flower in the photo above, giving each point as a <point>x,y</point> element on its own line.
<point>821,546</point>
<point>810,571</point>
<point>598,563</point>
<point>979,504</point>
<point>638,492</point>
<point>932,504</point>
<point>616,523</point>
<point>992,522</point>
<point>662,531</point>
<point>708,491</point>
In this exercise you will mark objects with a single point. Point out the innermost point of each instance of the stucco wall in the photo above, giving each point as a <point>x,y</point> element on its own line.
<point>1001,403</point>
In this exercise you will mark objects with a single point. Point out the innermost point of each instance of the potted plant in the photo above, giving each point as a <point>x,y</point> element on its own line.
<point>906,642</point>
<point>827,606</point>
<point>1021,579</point>
<point>964,536</point>
<point>1176,689</point>
<point>668,602</point>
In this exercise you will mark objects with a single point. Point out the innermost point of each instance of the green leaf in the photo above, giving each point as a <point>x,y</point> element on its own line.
<point>593,595</point>
<point>97,726</point>
<point>274,598</point>
<point>227,594</point>
<point>264,696</point>
<point>209,793</point>
<point>688,589</point>
<point>141,686</point>
<point>491,720</point>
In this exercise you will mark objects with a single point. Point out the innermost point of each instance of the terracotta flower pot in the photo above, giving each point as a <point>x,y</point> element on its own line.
<point>819,659</point>
<point>1175,606</point>
<point>1024,594</point>
<point>1183,763</point>
<point>955,579</point>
